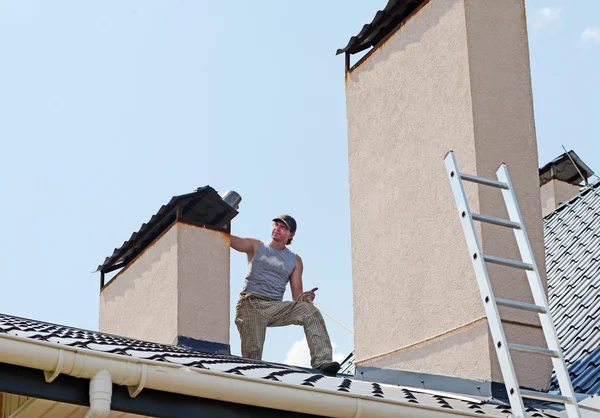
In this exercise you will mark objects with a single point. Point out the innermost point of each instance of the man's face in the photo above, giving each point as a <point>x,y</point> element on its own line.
<point>280,232</point>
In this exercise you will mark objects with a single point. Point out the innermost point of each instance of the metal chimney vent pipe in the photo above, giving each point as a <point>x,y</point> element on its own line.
<point>232,198</point>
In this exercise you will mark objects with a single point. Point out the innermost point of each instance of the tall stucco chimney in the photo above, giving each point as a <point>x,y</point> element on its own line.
<point>173,283</point>
<point>560,180</point>
<point>447,74</point>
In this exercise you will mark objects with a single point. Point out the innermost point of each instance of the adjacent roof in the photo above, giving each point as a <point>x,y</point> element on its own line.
<point>204,207</point>
<point>95,341</point>
<point>572,241</point>
<point>384,22</point>
<point>562,168</point>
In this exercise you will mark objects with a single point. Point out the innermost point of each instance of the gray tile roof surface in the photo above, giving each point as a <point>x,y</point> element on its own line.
<point>96,341</point>
<point>572,241</point>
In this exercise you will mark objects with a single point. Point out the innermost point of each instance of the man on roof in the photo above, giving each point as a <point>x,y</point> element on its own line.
<point>271,265</point>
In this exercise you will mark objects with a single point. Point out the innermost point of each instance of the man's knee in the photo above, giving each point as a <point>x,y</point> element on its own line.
<point>309,310</point>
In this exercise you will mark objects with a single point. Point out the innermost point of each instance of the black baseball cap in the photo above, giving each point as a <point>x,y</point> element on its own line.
<point>288,221</point>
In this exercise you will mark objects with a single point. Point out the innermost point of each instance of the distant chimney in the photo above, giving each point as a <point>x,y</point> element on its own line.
<point>173,283</point>
<point>561,180</point>
<point>442,75</point>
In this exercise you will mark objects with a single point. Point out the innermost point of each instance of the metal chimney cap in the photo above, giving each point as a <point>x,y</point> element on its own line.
<point>232,198</point>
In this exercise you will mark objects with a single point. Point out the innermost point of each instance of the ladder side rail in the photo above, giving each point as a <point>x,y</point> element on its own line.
<point>485,288</point>
<point>537,289</point>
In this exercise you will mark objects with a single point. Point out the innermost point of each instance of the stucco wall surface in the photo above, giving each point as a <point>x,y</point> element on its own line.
<point>179,286</point>
<point>141,302</point>
<point>505,132</point>
<point>203,266</point>
<point>442,81</point>
<point>564,191</point>
<point>556,192</point>
<point>532,371</point>
<point>466,343</point>
<point>407,105</point>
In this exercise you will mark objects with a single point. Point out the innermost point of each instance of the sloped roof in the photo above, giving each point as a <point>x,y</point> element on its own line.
<point>232,365</point>
<point>572,241</point>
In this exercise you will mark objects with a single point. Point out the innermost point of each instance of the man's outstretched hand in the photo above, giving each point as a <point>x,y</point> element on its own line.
<point>308,296</point>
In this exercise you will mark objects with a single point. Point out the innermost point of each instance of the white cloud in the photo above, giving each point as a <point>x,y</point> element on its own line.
<point>298,354</point>
<point>550,14</point>
<point>591,34</point>
<point>547,16</point>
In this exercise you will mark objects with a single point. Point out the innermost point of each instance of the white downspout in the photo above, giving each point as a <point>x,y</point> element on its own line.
<point>100,395</point>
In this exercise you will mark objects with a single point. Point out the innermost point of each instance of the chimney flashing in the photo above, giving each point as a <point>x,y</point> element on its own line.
<point>204,346</point>
<point>433,382</point>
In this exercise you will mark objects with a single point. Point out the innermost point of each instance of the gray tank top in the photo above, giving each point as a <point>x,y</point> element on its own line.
<point>269,272</point>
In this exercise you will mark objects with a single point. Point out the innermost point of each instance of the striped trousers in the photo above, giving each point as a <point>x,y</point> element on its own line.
<point>254,314</point>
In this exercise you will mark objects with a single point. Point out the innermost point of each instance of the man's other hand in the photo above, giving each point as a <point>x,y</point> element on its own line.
<point>308,296</point>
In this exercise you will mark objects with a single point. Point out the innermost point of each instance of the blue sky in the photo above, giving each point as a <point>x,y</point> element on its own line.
<point>110,108</point>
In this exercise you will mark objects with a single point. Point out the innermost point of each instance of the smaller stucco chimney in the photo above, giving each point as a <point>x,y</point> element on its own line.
<point>560,180</point>
<point>173,283</point>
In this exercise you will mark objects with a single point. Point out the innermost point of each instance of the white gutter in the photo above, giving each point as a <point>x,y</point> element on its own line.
<point>138,374</point>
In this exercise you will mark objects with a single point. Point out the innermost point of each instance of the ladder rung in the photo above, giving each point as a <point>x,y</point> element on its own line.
<point>507,262</point>
<point>484,181</point>
<point>495,221</point>
<point>543,396</point>
<point>532,350</point>
<point>520,305</point>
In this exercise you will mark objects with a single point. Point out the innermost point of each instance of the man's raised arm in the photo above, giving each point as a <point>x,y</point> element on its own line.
<point>244,245</point>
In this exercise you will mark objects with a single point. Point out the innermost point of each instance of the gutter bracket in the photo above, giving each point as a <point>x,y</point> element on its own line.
<point>51,375</point>
<point>135,390</point>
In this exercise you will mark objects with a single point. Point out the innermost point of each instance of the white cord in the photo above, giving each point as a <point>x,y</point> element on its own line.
<point>301,298</point>
<point>334,320</point>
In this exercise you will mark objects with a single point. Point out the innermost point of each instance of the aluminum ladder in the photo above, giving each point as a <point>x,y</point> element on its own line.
<point>490,302</point>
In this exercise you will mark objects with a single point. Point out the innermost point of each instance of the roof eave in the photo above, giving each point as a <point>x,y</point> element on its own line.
<point>136,373</point>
